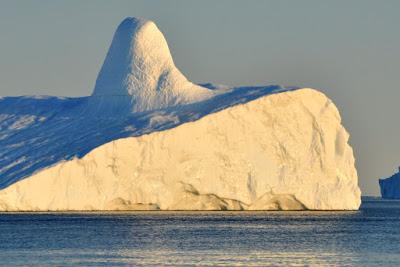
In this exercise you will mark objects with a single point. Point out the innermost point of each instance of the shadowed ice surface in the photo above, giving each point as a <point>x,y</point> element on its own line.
<point>38,132</point>
<point>369,237</point>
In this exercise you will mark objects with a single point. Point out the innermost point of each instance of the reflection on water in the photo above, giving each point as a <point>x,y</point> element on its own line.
<point>370,236</point>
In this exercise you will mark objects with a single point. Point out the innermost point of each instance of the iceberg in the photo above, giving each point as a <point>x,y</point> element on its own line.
<point>149,139</point>
<point>390,187</point>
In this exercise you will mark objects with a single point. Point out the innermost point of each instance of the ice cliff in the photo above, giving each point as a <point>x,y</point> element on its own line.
<point>390,187</point>
<point>147,138</point>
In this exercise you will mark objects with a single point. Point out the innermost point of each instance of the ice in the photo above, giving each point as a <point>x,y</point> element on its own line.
<point>390,187</point>
<point>147,138</point>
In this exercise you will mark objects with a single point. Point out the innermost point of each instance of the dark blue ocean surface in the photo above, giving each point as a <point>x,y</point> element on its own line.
<point>369,237</point>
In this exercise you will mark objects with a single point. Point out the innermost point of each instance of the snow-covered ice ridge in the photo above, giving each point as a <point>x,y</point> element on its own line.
<point>147,138</point>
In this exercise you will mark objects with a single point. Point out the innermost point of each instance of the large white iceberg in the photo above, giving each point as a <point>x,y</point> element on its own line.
<point>147,138</point>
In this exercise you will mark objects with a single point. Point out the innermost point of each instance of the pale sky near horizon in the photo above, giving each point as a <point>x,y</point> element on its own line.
<point>350,50</point>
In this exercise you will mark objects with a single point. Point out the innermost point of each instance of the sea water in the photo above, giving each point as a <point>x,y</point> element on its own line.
<point>369,237</point>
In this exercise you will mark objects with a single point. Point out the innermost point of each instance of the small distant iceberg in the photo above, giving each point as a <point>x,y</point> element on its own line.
<point>390,187</point>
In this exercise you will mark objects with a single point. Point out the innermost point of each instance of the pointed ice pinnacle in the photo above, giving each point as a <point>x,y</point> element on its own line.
<point>139,74</point>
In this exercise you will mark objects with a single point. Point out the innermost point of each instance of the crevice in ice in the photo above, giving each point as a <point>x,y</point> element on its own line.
<point>123,204</point>
<point>191,199</point>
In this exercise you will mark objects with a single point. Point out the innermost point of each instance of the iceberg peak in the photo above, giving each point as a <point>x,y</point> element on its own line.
<point>138,73</point>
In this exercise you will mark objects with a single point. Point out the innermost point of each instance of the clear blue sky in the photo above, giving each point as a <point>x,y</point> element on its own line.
<point>348,49</point>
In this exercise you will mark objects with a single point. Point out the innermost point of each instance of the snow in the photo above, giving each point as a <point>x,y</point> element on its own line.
<point>390,187</point>
<point>147,138</point>
<point>139,73</point>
